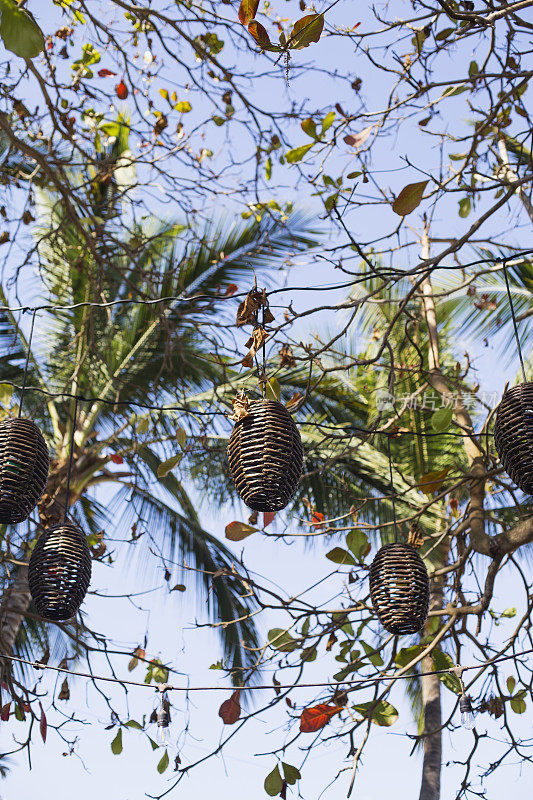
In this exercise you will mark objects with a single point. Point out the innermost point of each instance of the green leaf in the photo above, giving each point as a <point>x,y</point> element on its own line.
<point>373,657</point>
<point>282,640</point>
<point>383,713</point>
<point>181,438</point>
<point>131,723</point>
<point>116,744</point>
<point>297,153</point>
<point>358,543</point>
<point>20,32</point>
<point>143,425</point>
<point>464,207</point>
<point>163,764</point>
<point>453,91</point>
<point>6,393</point>
<point>168,465</point>
<point>340,556</point>
<point>511,683</point>
<point>444,661</point>
<point>409,198</point>
<point>155,746</point>
<point>268,168</point>
<point>441,419</point>
<point>219,121</point>
<point>309,127</point>
<point>273,389</point>
<point>327,122</point>
<point>407,654</point>
<point>290,773</point>
<point>444,34</point>
<point>306,30</point>
<point>518,704</point>
<point>273,782</point>
<point>183,107</point>
<point>509,612</point>
<point>309,654</point>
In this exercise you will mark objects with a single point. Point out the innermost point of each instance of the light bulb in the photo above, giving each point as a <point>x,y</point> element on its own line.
<point>467,712</point>
<point>162,720</point>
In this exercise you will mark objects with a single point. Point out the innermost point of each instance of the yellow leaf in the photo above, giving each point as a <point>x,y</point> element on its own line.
<point>431,482</point>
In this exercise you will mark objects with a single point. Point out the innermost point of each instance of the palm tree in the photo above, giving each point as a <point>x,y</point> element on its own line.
<point>117,365</point>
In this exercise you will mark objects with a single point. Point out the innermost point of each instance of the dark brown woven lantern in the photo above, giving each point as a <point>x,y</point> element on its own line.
<point>265,456</point>
<point>24,465</point>
<point>513,435</point>
<point>60,571</point>
<point>399,587</point>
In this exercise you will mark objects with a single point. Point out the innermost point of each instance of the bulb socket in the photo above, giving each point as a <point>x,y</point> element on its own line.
<point>465,704</point>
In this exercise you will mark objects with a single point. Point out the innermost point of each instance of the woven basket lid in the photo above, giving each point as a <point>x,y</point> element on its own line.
<point>24,463</point>
<point>265,456</point>
<point>399,588</point>
<point>513,435</point>
<point>60,571</point>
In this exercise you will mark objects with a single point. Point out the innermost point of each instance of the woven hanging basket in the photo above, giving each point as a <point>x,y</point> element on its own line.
<point>513,435</point>
<point>24,465</point>
<point>399,588</point>
<point>265,456</point>
<point>60,571</point>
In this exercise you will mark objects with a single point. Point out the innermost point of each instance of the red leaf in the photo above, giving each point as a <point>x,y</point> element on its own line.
<point>268,517</point>
<point>260,35</point>
<point>122,90</point>
<point>105,73</point>
<point>4,713</point>
<point>230,710</point>
<point>248,10</point>
<point>117,459</point>
<point>317,519</point>
<point>315,718</point>
<point>231,289</point>
<point>43,724</point>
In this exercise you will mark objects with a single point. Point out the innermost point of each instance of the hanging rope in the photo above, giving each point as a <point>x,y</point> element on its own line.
<point>264,382</point>
<point>71,454</point>
<point>505,275</point>
<point>28,351</point>
<point>392,492</point>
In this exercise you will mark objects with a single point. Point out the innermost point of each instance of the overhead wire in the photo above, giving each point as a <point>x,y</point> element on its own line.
<point>361,682</point>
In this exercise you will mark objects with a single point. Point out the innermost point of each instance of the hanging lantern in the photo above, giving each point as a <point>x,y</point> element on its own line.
<point>513,435</point>
<point>24,465</point>
<point>265,455</point>
<point>399,588</point>
<point>60,571</point>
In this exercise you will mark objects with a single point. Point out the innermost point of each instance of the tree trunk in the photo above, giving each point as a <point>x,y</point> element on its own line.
<point>16,591</point>
<point>431,700</point>
<point>15,603</point>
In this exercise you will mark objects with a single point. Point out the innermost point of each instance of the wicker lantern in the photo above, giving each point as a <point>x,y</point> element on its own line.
<point>60,571</point>
<point>24,465</point>
<point>513,435</point>
<point>399,588</point>
<point>265,456</point>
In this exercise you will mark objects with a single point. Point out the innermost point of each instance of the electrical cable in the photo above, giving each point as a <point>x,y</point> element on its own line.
<point>362,682</point>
